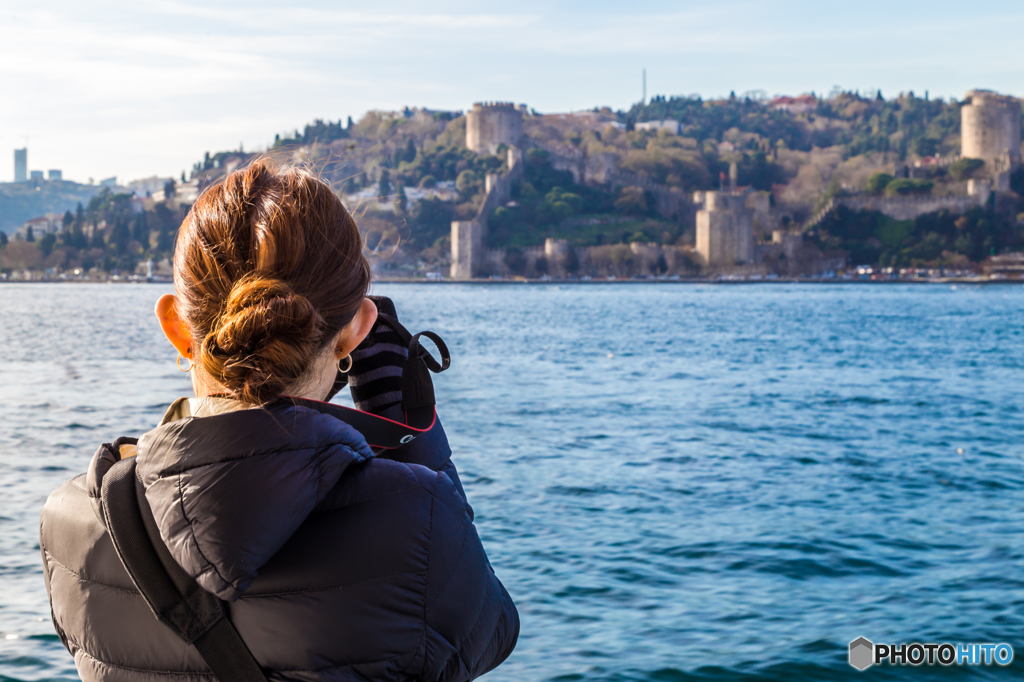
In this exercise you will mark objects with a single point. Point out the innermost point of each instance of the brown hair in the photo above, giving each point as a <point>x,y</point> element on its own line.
<point>268,268</point>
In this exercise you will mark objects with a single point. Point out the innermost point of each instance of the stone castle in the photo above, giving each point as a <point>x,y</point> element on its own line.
<point>735,226</point>
<point>489,126</point>
<point>492,124</point>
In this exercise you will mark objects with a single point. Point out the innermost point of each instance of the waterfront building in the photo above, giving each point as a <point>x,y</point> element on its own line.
<point>725,228</point>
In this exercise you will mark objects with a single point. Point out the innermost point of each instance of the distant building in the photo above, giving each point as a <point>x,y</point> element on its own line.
<point>147,187</point>
<point>725,228</point>
<point>109,182</point>
<point>492,124</point>
<point>21,165</point>
<point>990,126</point>
<point>38,175</point>
<point>795,105</point>
<point>54,175</point>
<point>668,124</point>
<point>51,222</point>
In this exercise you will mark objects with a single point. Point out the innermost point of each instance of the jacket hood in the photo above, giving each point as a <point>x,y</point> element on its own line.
<point>227,491</point>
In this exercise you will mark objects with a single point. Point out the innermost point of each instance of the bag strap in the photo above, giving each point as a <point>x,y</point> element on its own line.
<point>197,617</point>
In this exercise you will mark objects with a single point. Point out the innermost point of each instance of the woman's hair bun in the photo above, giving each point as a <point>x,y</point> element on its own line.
<point>263,341</point>
<point>268,270</point>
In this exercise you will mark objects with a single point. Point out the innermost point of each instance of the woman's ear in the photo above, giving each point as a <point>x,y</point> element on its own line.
<point>356,330</point>
<point>173,326</point>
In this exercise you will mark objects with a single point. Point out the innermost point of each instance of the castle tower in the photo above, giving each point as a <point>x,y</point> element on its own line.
<point>990,126</point>
<point>490,124</point>
<point>725,229</point>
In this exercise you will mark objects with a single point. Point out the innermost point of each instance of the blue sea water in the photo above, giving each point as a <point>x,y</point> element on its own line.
<point>675,482</point>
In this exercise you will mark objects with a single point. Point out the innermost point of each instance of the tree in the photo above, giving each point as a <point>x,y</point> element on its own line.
<point>30,235</point>
<point>466,181</point>
<point>384,184</point>
<point>906,187</point>
<point>3,239</point>
<point>877,182</point>
<point>515,260</point>
<point>964,168</point>
<point>68,220</point>
<point>46,243</point>
<point>140,231</point>
<point>632,200</point>
<point>410,151</point>
<point>572,262</point>
<point>169,189</point>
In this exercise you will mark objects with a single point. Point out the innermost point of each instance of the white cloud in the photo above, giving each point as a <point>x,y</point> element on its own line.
<point>109,88</point>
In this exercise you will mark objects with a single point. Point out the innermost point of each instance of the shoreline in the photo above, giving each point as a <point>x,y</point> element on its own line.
<point>593,282</point>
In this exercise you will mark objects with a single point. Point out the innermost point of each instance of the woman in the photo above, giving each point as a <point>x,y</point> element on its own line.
<point>334,564</point>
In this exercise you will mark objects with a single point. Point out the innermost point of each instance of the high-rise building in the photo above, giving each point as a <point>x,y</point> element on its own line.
<point>36,175</point>
<point>21,165</point>
<point>54,174</point>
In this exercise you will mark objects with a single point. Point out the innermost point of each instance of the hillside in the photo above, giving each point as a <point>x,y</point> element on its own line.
<point>21,201</point>
<point>407,174</point>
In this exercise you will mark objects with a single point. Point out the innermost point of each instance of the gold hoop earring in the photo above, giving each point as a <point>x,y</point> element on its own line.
<point>184,369</point>
<point>345,370</point>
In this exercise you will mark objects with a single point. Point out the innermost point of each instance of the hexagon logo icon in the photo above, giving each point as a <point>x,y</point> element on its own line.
<point>862,653</point>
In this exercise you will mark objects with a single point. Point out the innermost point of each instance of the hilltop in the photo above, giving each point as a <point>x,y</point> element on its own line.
<point>605,179</point>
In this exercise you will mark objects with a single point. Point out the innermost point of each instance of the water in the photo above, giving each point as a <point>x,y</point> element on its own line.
<point>674,482</point>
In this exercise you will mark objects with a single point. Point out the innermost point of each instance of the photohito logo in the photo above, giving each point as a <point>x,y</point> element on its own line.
<point>864,654</point>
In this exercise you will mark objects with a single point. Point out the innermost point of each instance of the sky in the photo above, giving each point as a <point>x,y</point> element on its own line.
<point>131,90</point>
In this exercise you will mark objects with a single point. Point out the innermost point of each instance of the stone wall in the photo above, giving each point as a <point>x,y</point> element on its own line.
<point>469,259</point>
<point>908,208</point>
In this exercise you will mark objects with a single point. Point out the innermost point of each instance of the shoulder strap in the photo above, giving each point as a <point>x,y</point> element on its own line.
<point>197,617</point>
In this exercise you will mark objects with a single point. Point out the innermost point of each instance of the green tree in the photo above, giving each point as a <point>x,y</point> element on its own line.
<point>46,244</point>
<point>3,239</point>
<point>384,183</point>
<point>30,235</point>
<point>963,169</point>
<point>466,181</point>
<point>877,182</point>
<point>907,187</point>
<point>410,151</point>
<point>632,200</point>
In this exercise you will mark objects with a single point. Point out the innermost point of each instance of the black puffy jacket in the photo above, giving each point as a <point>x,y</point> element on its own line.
<point>337,565</point>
